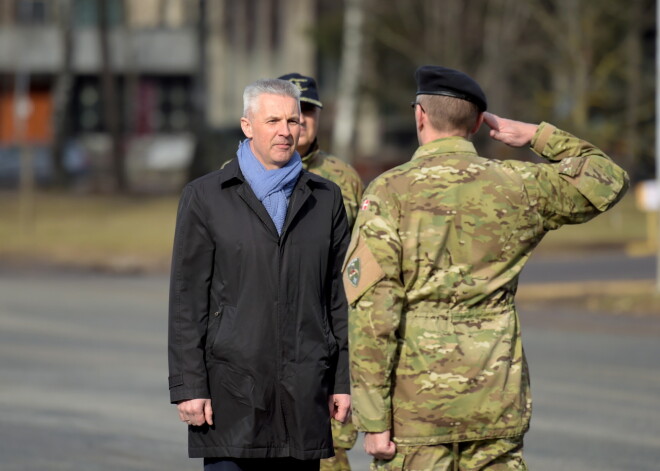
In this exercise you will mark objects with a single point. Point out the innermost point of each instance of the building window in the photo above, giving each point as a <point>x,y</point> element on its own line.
<point>86,12</point>
<point>164,105</point>
<point>34,12</point>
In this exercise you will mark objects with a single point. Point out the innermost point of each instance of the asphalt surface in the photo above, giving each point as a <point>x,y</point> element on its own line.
<point>83,375</point>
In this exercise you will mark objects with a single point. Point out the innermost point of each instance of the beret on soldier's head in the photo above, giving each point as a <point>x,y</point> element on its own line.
<point>307,86</point>
<point>438,80</point>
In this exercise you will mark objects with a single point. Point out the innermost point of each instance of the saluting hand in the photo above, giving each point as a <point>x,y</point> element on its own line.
<point>508,131</point>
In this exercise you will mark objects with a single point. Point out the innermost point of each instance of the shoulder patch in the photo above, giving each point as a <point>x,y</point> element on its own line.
<point>353,271</point>
<point>361,271</point>
<point>365,205</point>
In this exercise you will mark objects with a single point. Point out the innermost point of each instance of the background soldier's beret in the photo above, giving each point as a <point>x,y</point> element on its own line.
<point>438,80</point>
<point>307,86</point>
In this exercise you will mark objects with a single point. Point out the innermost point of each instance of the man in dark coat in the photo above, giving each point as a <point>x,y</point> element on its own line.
<point>258,317</point>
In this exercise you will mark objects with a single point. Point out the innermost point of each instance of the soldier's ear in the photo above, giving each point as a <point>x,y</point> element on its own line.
<point>477,125</point>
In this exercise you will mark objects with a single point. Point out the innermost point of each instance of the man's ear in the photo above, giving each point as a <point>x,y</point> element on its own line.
<point>477,125</point>
<point>246,126</point>
<point>420,118</point>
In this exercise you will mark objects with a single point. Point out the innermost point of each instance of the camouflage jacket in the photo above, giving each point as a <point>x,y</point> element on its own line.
<point>339,172</point>
<point>431,273</point>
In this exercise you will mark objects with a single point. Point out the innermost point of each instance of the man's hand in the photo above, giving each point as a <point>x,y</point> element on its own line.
<point>379,445</point>
<point>512,133</point>
<point>340,406</point>
<point>195,411</point>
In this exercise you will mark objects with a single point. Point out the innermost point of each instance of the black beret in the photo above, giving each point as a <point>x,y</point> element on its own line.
<point>438,80</point>
<point>307,86</point>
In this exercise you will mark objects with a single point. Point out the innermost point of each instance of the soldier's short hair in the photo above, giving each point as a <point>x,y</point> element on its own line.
<point>448,113</point>
<point>270,87</point>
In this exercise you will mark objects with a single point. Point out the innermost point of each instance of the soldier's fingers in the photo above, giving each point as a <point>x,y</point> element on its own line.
<point>491,120</point>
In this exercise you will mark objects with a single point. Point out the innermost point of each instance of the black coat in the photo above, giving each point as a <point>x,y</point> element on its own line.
<point>258,321</point>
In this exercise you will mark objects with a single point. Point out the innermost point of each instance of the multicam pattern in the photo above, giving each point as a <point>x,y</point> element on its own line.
<point>503,454</point>
<point>339,172</point>
<point>348,180</point>
<point>434,336</point>
<point>343,437</point>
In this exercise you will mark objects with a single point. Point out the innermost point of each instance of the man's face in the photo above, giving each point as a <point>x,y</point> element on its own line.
<point>274,127</point>
<point>309,126</point>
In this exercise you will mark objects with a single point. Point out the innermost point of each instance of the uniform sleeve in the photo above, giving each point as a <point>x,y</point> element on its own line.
<point>192,262</point>
<point>372,278</point>
<point>579,183</point>
<point>338,305</point>
<point>352,189</point>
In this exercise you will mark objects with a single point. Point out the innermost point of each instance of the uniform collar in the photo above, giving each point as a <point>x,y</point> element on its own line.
<point>445,145</point>
<point>308,158</point>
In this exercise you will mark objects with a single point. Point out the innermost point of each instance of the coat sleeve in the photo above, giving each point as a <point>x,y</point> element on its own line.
<point>375,292</point>
<point>190,278</point>
<point>579,183</point>
<point>338,307</point>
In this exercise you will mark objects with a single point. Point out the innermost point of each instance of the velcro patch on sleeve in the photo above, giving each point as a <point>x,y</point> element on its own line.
<point>361,271</point>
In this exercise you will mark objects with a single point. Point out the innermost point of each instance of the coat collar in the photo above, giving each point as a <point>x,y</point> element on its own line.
<point>232,175</point>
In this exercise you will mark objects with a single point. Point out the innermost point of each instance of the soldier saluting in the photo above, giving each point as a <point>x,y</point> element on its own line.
<point>438,374</point>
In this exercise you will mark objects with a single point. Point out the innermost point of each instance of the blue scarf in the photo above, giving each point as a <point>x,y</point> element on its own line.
<point>272,187</point>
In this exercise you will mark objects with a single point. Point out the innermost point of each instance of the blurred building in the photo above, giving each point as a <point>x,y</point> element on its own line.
<point>176,66</point>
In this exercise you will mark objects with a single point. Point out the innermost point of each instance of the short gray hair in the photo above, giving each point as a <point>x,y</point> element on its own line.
<point>267,86</point>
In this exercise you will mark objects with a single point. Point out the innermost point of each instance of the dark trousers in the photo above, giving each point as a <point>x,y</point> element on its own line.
<point>260,464</point>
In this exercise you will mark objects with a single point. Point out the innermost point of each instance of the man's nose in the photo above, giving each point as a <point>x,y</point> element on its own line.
<point>285,128</point>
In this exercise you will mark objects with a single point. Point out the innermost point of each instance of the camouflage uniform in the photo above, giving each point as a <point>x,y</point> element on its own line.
<point>334,169</point>
<point>339,172</point>
<point>431,273</point>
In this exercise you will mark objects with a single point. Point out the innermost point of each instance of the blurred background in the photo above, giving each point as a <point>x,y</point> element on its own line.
<point>108,107</point>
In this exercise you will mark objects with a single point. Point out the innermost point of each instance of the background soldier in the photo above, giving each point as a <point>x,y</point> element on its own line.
<point>438,373</point>
<point>328,166</point>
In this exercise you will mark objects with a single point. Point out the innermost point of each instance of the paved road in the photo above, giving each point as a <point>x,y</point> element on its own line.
<point>83,381</point>
<point>605,266</point>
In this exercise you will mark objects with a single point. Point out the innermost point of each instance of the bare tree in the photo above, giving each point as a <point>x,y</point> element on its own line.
<point>198,165</point>
<point>62,93</point>
<point>634,79</point>
<point>110,99</point>
<point>349,78</point>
